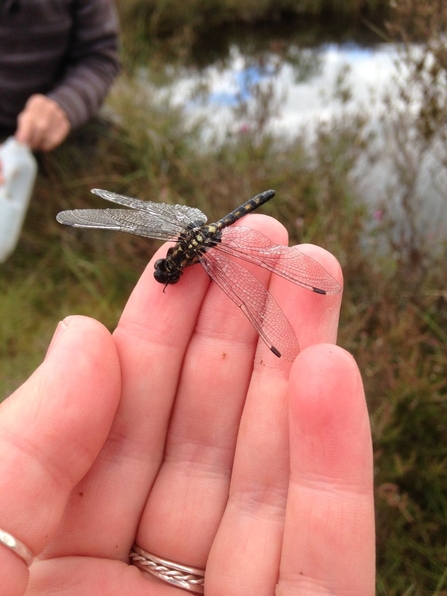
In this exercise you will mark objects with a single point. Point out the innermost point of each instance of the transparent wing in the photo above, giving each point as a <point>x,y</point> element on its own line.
<point>180,215</point>
<point>121,220</point>
<point>150,220</point>
<point>255,301</point>
<point>288,262</point>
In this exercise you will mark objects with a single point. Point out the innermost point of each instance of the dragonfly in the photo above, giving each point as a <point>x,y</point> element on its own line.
<point>213,246</point>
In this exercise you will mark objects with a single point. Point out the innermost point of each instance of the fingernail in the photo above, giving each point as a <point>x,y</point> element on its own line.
<point>60,329</point>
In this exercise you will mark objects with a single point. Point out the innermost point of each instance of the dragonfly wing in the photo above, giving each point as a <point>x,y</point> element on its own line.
<point>255,301</point>
<point>179,216</point>
<point>121,220</point>
<point>288,262</point>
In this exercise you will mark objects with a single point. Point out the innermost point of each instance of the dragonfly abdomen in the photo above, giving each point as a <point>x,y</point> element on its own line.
<point>245,208</point>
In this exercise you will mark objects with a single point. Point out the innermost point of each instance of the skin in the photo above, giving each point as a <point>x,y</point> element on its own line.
<point>183,433</point>
<point>42,125</point>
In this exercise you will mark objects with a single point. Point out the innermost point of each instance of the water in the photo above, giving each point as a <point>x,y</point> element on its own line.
<point>303,98</point>
<point>303,87</point>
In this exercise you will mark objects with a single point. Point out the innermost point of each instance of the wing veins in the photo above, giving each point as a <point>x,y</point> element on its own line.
<point>288,262</point>
<point>255,301</point>
<point>180,215</point>
<point>121,220</point>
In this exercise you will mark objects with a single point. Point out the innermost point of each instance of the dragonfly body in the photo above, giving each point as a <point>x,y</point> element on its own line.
<point>196,240</point>
<point>214,246</point>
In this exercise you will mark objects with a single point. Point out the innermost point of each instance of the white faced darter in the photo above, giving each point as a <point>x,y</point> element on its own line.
<point>211,245</point>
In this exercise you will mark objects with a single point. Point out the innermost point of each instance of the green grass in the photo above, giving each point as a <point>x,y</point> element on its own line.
<point>394,314</point>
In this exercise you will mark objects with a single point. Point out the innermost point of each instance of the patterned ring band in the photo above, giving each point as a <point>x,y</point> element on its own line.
<point>181,576</point>
<point>17,547</point>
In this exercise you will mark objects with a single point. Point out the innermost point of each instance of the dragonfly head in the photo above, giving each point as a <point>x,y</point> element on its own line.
<point>166,274</point>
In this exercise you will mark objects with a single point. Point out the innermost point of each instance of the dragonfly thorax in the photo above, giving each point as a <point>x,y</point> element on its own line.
<point>187,252</point>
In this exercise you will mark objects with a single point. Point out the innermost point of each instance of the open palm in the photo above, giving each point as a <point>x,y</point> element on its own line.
<point>182,433</point>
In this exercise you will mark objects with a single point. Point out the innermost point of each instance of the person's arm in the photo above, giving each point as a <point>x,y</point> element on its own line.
<point>91,66</point>
<point>92,63</point>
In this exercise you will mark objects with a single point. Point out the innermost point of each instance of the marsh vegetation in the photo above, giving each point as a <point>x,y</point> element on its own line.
<point>394,315</point>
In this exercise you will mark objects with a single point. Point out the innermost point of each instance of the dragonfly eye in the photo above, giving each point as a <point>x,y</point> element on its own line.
<point>164,274</point>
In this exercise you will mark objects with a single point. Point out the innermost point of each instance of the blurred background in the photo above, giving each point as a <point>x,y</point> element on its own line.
<point>340,106</point>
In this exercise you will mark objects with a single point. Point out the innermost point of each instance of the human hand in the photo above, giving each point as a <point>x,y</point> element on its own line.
<point>43,124</point>
<point>176,434</point>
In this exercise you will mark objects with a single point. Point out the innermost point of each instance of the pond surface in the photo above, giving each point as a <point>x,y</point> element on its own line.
<point>300,85</point>
<point>302,94</point>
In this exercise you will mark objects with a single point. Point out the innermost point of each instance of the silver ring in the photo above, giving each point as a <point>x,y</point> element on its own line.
<point>17,547</point>
<point>181,576</point>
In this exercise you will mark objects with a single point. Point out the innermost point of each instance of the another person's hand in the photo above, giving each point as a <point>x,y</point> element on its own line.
<point>183,434</point>
<point>43,125</point>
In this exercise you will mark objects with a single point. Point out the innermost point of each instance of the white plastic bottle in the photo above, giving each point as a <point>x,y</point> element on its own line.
<point>18,168</point>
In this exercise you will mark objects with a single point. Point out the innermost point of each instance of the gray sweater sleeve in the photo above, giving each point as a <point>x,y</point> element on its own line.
<point>64,49</point>
<point>92,61</point>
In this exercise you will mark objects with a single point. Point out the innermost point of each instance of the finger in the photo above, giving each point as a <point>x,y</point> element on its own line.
<point>246,553</point>
<point>317,315</point>
<point>204,424</point>
<point>26,132</point>
<point>329,528</point>
<point>52,429</point>
<point>58,128</point>
<point>151,339</point>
